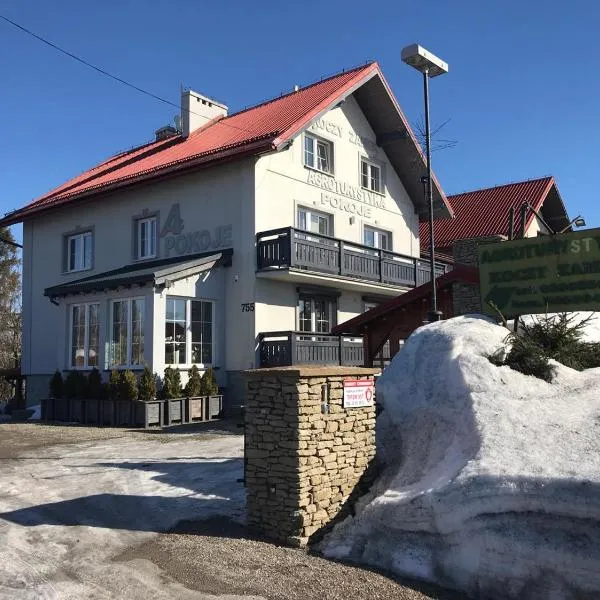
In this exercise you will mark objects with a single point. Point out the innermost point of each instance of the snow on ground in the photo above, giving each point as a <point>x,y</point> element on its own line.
<point>492,478</point>
<point>65,510</point>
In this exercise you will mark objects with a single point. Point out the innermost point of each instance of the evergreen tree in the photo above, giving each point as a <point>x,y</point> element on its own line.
<point>209,383</point>
<point>147,385</point>
<point>128,387</point>
<point>193,387</point>
<point>10,308</point>
<point>171,384</point>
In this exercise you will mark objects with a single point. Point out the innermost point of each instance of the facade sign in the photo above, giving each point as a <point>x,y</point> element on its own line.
<point>177,243</point>
<point>358,393</point>
<point>541,274</point>
<point>342,188</point>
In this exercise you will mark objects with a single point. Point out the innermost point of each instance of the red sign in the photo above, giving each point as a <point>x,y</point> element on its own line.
<point>358,392</point>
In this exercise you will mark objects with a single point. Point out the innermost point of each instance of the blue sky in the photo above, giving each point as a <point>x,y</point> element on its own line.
<point>521,95</point>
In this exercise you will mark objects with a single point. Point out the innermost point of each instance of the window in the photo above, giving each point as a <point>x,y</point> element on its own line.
<point>85,333</point>
<point>316,315</point>
<point>314,221</point>
<point>318,154</point>
<point>370,176</point>
<point>189,332</point>
<point>146,238</point>
<point>127,333</point>
<point>376,238</point>
<point>79,252</point>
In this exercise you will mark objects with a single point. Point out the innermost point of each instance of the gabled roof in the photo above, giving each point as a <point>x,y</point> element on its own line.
<point>160,272</point>
<point>266,127</point>
<point>485,212</point>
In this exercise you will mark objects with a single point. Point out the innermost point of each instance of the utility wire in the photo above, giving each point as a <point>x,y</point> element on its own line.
<point>106,73</point>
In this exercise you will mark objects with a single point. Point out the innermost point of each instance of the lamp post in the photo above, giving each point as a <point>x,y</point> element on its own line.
<point>431,66</point>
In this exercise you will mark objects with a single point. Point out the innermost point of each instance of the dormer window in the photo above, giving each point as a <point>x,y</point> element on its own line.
<point>318,154</point>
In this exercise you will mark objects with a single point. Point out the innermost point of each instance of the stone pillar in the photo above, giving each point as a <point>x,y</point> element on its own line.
<point>304,451</point>
<point>465,297</point>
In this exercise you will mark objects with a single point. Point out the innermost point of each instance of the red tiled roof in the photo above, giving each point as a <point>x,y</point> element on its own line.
<point>485,212</point>
<point>264,127</point>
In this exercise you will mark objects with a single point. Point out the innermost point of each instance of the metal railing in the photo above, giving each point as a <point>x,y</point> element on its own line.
<point>293,248</point>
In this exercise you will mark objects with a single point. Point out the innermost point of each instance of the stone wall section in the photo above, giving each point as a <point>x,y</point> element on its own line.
<point>466,298</point>
<point>304,452</point>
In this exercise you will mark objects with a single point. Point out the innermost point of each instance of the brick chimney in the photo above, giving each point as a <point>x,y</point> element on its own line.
<point>197,110</point>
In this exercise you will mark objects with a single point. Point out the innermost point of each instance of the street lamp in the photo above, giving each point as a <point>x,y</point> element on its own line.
<point>431,66</point>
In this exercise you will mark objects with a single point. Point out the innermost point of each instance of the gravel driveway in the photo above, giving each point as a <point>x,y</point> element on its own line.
<point>112,513</point>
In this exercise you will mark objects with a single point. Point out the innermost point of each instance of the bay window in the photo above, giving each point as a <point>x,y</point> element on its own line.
<point>127,333</point>
<point>189,332</point>
<point>85,335</point>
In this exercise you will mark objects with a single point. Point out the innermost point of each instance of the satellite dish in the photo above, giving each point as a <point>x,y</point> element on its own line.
<point>177,121</point>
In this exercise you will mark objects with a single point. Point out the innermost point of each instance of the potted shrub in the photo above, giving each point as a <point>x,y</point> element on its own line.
<point>210,389</point>
<point>148,410</point>
<point>127,395</point>
<point>109,404</point>
<point>174,402</point>
<point>195,397</point>
<point>95,396</point>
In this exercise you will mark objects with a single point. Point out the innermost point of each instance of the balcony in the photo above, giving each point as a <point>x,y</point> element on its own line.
<point>290,249</point>
<point>292,348</point>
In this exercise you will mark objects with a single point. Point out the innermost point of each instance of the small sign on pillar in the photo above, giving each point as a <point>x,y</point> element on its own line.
<point>358,393</point>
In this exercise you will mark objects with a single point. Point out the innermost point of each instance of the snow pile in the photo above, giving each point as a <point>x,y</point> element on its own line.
<point>492,478</point>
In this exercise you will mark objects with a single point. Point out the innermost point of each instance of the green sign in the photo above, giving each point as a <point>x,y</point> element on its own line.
<point>558,273</point>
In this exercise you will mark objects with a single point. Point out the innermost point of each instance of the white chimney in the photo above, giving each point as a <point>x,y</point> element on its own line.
<point>197,110</point>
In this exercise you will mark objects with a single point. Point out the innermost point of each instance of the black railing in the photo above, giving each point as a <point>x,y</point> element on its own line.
<point>292,248</point>
<point>288,348</point>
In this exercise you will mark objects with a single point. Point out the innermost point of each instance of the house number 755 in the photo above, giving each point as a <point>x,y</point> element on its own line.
<point>247,306</point>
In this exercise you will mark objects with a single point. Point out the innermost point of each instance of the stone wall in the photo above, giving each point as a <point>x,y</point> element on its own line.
<point>466,298</point>
<point>304,452</point>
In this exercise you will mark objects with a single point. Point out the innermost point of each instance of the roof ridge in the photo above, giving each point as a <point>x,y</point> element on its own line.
<point>306,87</point>
<point>502,185</point>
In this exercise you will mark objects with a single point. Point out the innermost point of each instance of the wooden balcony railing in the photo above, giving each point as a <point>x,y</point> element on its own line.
<point>292,248</point>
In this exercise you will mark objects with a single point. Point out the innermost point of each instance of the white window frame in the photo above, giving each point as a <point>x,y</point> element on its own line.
<point>128,364</point>
<point>80,264</point>
<point>378,235</point>
<point>86,336</point>
<point>188,333</point>
<point>148,252</point>
<point>309,212</point>
<point>333,305</point>
<point>316,140</point>
<point>370,166</point>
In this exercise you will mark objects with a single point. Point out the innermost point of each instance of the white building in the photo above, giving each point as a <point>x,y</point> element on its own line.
<point>193,249</point>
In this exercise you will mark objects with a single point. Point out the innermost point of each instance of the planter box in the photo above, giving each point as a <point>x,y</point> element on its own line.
<point>214,407</point>
<point>77,410</point>
<point>92,411</point>
<point>175,411</point>
<point>61,409</point>
<point>196,409</point>
<point>47,409</point>
<point>148,413</point>
<point>107,415</point>
<point>124,413</point>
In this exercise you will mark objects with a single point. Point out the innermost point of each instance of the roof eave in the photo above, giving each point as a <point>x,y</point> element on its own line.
<point>171,170</point>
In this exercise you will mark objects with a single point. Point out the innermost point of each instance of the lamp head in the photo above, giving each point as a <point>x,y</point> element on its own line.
<point>424,61</point>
